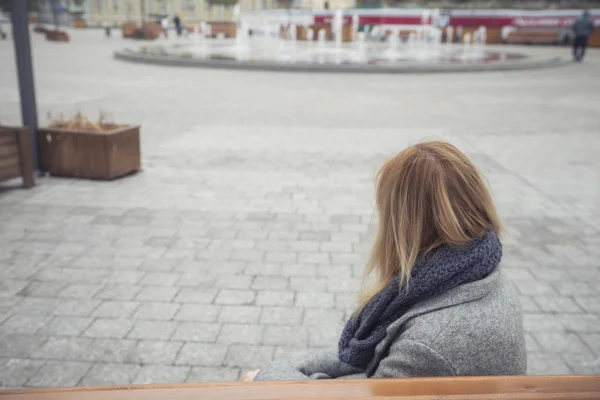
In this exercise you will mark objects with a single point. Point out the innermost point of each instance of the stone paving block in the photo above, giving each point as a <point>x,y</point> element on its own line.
<point>531,344</point>
<point>80,308</point>
<point>324,336</point>
<point>281,257</point>
<point>157,311</point>
<point>287,352</point>
<point>59,374</point>
<point>285,336</point>
<point>542,322</point>
<point>546,364</point>
<point>346,301</point>
<point>235,297</point>
<point>160,279</point>
<point>311,258</point>
<point>197,312</point>
<point>43,289</point>
<point>315,299</point>
<point>241,333</point>
<point>118,292</point>
<point>307,284</point>
<point>281,316</point>
<point>66,326</point>
<point>559,342</point>
<point>110,374</point>
<point>202,354</point>
<point>557,303</point>
<point>270,282</point>
<point>109,328</point>
<point>315,317</point>
<point>110,350</point>
<point>590,304</point>
<point>298,270</point>
<point>593,341</point>
<point>161,330</point>
<point>247,255</point>
<point>567,288</point>
<point>196,332</point>
<point>155,352</point>
<point>348,258</point>
<point>123,277</point>
<point>583,363</point>
<point>157,293</point>
<point>335,272</point>
<point>262,269</point>
<point>115,309</point>
<point>275,298</point>
<point>211,374</point>
<point>80,291</point>
<point>196,295</point>
<point>159,374</point>
<point>26,324</point>
<point>60,348</point>
<point>585,323</point>
<point>234,282</point>
<point>14,372</point>
<point>248,357</point>
<point>240,314</point>
<point>343,285</point>
<point>36,306</point>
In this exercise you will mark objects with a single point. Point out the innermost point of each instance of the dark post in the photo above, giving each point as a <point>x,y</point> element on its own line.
<point>20,26</point>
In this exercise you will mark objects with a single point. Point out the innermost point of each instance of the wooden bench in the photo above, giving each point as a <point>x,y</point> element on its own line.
<point>583,387</point>
<point>15,155</point>
<point>528,36</point>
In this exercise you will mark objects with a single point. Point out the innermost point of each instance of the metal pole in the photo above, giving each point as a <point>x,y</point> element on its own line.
<point>20,26</point>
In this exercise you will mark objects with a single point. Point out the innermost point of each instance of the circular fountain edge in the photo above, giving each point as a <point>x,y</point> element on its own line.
<point>176,61</point>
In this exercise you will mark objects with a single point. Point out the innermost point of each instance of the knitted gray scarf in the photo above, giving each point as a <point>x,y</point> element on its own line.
<point>440,270</point>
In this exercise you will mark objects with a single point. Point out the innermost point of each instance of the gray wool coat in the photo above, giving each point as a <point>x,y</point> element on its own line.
<point>473,329</point>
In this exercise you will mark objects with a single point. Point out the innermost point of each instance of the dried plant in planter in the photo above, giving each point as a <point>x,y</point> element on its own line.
<point>80,122</point>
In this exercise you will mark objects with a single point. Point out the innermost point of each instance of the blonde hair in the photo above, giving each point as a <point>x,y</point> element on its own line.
<point>427,195</point>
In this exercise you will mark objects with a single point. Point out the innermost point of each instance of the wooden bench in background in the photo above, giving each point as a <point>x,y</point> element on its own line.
<point>582,387</point>
<point>529,36</point>
<point>15,155</point>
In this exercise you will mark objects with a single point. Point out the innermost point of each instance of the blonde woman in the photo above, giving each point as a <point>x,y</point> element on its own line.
<point>435,301</point>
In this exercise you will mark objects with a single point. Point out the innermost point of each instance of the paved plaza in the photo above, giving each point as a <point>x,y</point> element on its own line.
<point>243,238</point>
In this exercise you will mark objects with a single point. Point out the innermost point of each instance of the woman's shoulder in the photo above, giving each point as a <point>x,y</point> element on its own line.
<point>484,331</point>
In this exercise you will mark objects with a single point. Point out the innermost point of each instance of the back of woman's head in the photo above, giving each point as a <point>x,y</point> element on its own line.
<point>428,195</point>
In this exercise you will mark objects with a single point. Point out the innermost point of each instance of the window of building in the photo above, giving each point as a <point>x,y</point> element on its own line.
<point>115,6</point>
<point>99,5</point>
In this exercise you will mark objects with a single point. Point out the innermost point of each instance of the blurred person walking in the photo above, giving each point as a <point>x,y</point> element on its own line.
<point>165,24</point>
<point>177,22</point>
<point>582,28</point>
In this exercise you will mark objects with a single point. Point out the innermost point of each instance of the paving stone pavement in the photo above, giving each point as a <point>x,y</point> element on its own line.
<point>243,238</point>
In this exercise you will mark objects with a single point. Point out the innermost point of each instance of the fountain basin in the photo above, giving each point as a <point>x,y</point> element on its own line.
<point>271,54</point>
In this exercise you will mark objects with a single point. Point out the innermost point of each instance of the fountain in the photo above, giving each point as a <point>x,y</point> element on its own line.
<point>422,50</point>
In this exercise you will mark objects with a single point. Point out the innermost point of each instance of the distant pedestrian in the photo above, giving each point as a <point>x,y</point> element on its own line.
<point>177,22</point>
<point>165,24</point>
<point>582,28</point>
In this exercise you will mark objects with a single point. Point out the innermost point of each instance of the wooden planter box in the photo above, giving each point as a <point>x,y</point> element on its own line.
<point>57,36</point>
<point>79,23</point>
<point>94,155</point>
<point>15,155</point>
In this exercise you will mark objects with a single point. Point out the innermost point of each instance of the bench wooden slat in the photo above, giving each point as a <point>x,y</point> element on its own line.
<point>583,387</point>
